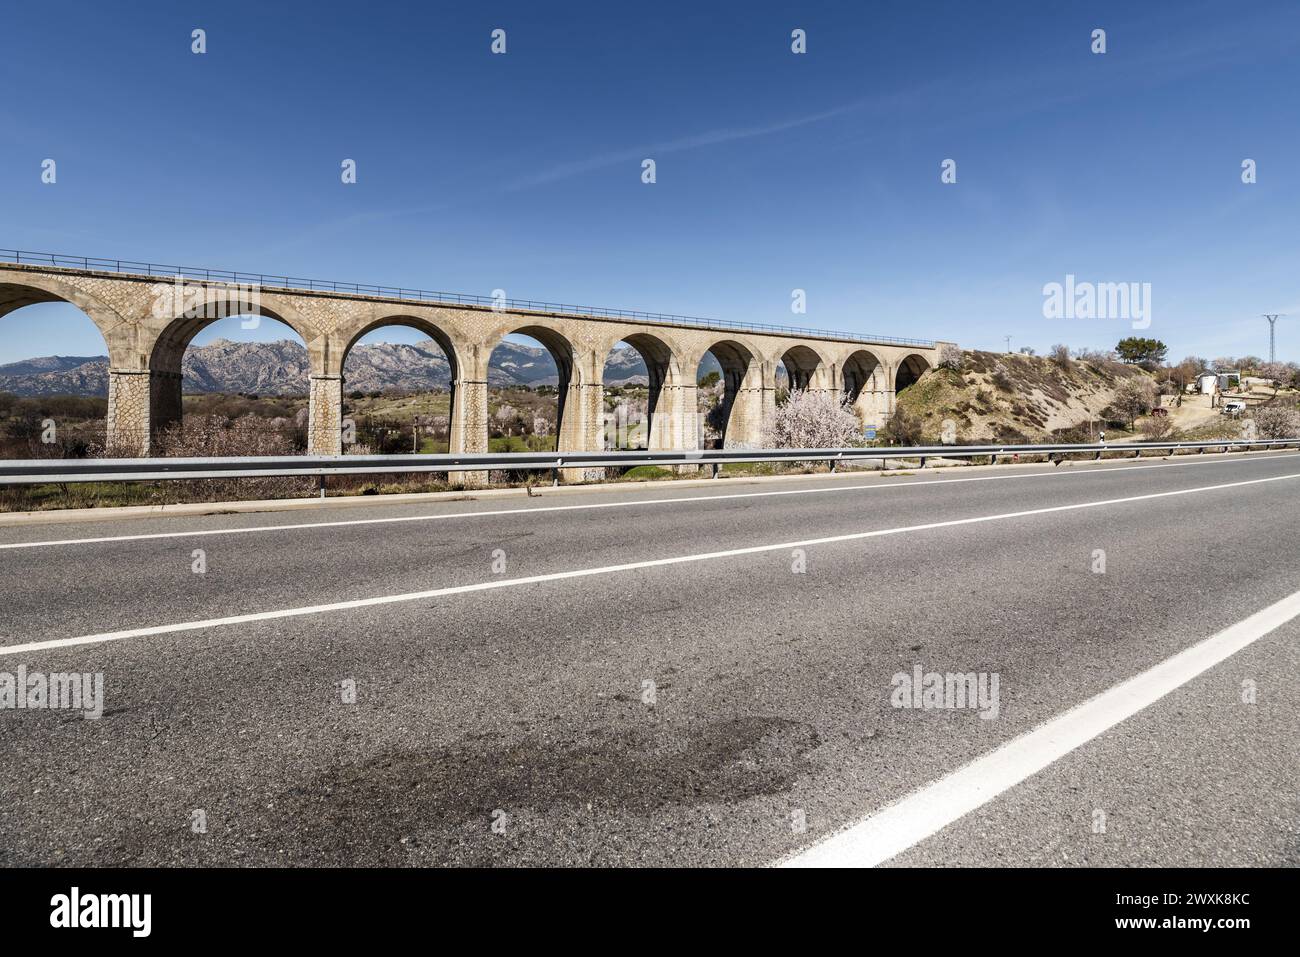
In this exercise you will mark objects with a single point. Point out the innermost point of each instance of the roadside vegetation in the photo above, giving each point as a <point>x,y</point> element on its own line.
<point>1129,394</point>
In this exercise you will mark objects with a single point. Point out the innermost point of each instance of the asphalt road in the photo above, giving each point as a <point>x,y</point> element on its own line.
<point>651,675</point>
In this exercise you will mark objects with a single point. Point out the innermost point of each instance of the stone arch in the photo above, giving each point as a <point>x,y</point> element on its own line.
<point>862,370</point>
<point>170,344</point>
<point>863,375</point>
<point>450,348</point>
<point>347,338</point>
<point>805,368</point>
<point>17,291</point>
<point>190,316</point>
<point>661,355</point>
<point>665,382</point>
<point>910,368</point>
<point>558,343</point>
<point>741,408</point>
<point>126,424</point>
<point>573,415</point>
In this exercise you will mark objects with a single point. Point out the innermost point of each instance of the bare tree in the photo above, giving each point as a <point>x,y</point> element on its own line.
<point>1133,398</point>
<point>903,428</point>
<point>198,436</point>
<point>1156,428</point>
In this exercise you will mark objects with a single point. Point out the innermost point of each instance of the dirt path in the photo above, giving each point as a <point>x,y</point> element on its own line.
<point>1195,411</point>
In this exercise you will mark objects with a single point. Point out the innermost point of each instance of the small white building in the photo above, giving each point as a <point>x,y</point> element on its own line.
<point>1207,383</point>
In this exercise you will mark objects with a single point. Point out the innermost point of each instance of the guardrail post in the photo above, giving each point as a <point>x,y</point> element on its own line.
<point>714,466</point>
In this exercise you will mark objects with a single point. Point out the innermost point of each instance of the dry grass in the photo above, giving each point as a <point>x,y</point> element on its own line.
<point>1013,398</point>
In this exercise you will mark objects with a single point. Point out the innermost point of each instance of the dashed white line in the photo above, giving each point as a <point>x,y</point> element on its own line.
<point>922,814</point>
<point>602,570</point>
<point>484,513</point>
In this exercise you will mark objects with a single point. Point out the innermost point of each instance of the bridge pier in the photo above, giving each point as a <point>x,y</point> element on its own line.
<point>673,420</point>
<point>872,406</point>
<point>130,400</point>
<point>753,411</point>
<point>745,424</point>
<point>687,422</point>
<point>581,417</point>
<point>325,415</point>
<point>165,403</point>
<point>469,425</point>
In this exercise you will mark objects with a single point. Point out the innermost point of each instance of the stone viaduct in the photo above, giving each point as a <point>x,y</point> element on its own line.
<point>147,321</point>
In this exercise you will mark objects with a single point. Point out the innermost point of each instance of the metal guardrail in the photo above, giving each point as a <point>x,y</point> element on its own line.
<point>45,471</point>
<point>128,267</point>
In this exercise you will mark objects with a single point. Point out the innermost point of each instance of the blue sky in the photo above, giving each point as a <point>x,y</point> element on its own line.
<point>775,171</point>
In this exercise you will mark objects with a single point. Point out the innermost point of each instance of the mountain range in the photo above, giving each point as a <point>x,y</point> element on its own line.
<point>281,368</point>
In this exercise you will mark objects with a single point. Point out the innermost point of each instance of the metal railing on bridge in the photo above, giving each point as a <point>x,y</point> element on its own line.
<point>46,471</point>
<point>268,281</point>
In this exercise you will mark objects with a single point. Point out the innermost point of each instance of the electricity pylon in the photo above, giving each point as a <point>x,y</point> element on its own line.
<point>1272,334</point>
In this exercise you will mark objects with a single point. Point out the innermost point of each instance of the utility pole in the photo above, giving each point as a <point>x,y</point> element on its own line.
<point>1272,334</point>
<point>1008,338</point>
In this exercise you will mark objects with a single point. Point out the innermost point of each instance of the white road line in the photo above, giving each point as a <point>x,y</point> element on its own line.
<point>343,523</point>
<point>602,570</point>
<point>922,814</point>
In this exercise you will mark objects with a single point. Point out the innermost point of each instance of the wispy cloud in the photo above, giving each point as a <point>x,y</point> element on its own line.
<point>715,137</point>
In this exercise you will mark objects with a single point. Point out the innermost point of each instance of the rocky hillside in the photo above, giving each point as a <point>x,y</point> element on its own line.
<point>1006,398</point>
<point>280,368</point>
<point>56,375</point>
<point>259,368</point>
